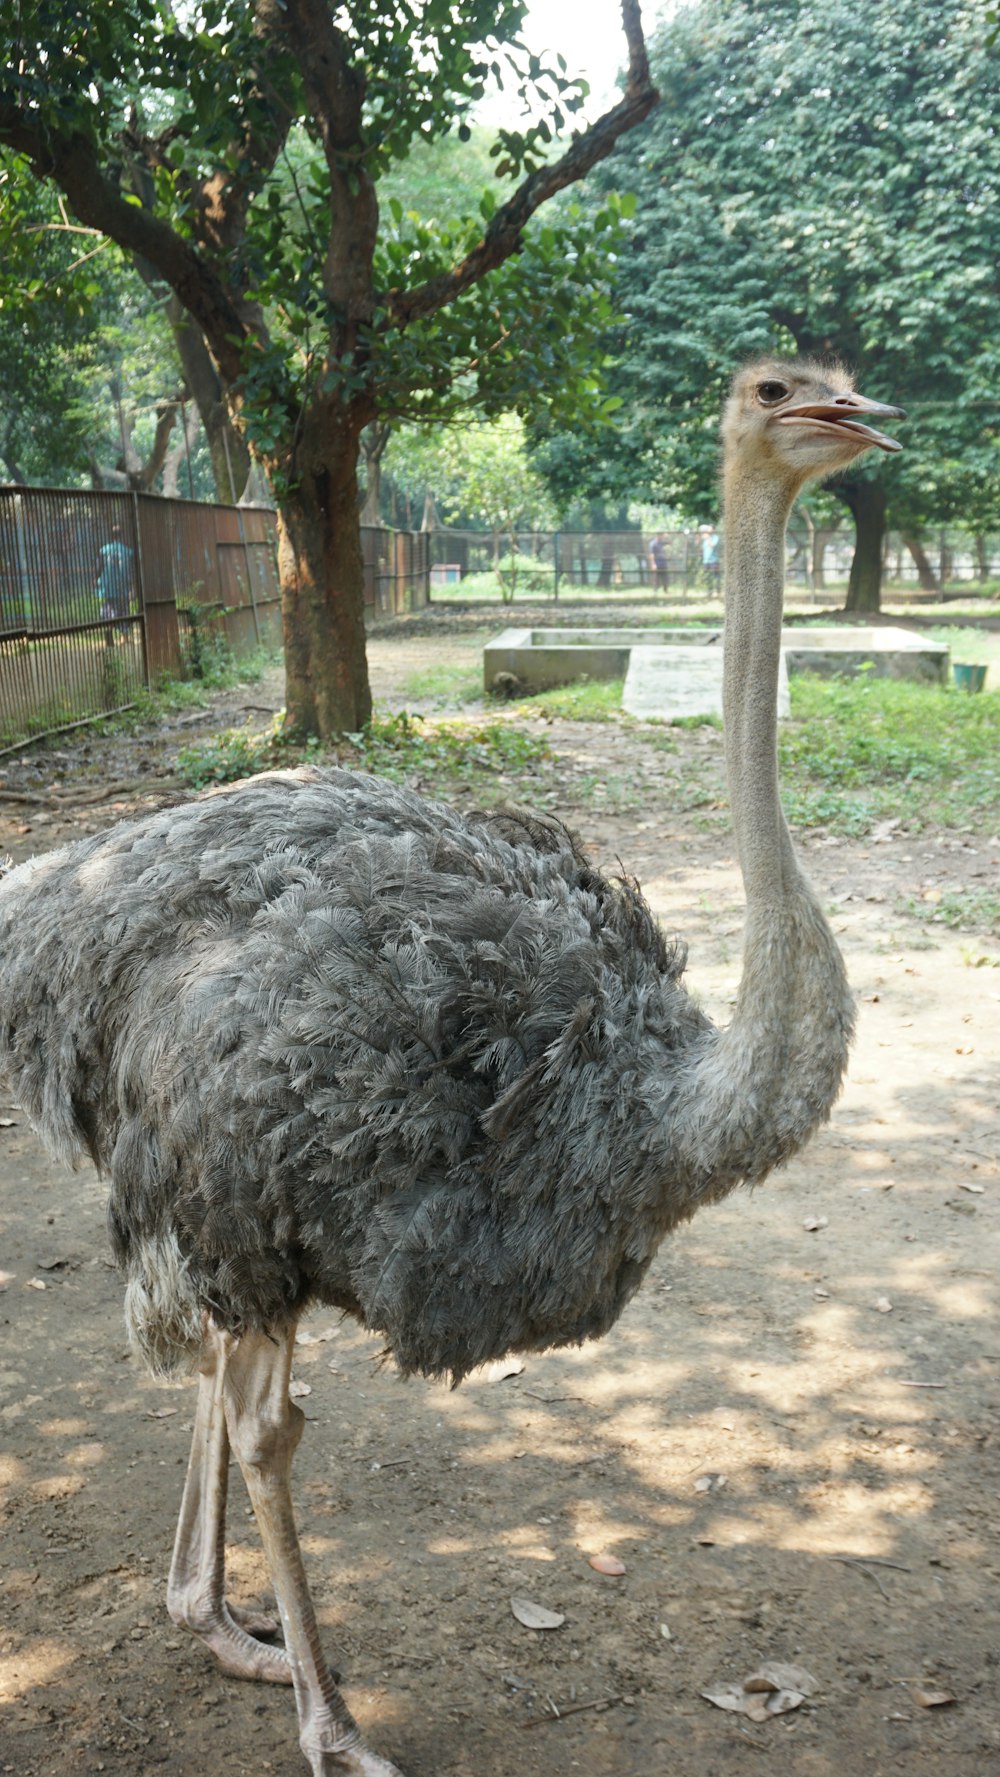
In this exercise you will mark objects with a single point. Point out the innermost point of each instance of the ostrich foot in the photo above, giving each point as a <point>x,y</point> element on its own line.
<point>227,1633</point>
<point>354,1759</point>
<point>258,1623</point>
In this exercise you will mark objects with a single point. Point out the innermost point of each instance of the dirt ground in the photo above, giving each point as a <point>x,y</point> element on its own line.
<point>790,1441</point>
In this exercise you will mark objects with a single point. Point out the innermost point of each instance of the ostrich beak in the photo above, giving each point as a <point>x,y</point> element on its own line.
<point>843,414</point>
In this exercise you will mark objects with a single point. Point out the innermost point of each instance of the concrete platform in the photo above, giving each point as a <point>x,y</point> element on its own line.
<point>889,653</point>
<point>539,659</point>
<point>668,683</point>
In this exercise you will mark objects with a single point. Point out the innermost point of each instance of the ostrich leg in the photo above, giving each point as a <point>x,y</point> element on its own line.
<point>195,1589</point>
<point>264,1430</point>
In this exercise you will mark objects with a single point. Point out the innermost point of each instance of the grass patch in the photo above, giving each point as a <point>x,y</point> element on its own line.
<point>447,683</point>
<point>975,909</point>
<point>441,757</point>
<point>588,700</point>
<point>862,749</point>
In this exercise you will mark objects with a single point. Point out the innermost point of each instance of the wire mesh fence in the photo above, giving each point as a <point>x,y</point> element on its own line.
<point>687,563</point>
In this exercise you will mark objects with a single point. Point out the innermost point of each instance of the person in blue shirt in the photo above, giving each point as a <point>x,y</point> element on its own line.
<point>114,577</point>
<point>710,556</point>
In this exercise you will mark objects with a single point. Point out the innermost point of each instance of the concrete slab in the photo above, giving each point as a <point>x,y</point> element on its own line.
<point>532,660</point>
<point>668,683</point>
<point>886,651</point>
<point>540,659</point>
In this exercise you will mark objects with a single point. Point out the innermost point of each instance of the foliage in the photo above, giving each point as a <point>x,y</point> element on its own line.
<point>87,362</point>
<point>479,475</point>
<point>808,184</point>
<point>441,757</point>
<point>865,749</point>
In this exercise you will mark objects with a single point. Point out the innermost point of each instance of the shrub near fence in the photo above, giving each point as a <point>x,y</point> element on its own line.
<point>66,656</point>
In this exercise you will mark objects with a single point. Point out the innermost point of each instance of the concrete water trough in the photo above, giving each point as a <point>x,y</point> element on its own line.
<point>678,672</point>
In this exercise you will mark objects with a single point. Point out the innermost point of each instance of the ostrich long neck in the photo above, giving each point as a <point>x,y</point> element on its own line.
<point>756,514</point>
<point>775,1072</point>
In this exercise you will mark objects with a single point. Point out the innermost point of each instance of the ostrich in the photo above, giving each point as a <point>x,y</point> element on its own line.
<point>334,1043</point>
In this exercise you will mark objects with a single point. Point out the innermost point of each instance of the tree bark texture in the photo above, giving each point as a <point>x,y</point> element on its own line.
<point>866,501</point>
<point>322,589</point>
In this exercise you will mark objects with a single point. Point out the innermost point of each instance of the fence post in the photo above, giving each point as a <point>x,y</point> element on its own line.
<point>246,561</point>
<point>141,578</point>
<point>555,564</point>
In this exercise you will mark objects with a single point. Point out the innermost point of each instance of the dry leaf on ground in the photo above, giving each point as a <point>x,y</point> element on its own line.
<point>774,1689</point>
<point>535,1616</point>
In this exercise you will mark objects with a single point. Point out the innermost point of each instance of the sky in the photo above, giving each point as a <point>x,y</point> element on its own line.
<point>589,35</point>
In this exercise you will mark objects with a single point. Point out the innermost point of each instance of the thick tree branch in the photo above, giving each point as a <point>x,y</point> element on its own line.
<point>71,162</point>
<point>222,198</point>
<point>334,90</point>
<point>503,236</point>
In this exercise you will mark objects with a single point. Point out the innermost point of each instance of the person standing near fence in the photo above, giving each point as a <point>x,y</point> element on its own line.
<point>658,562</point>
<point>710,566</point>
<point>114,578</point>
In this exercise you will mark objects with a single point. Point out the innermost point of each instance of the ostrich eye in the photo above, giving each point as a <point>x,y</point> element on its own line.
<point>771,392</point>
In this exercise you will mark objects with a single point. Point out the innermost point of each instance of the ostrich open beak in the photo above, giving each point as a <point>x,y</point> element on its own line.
<point>842,415</point>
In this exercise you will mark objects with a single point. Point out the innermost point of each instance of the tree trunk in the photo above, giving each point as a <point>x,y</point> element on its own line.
<point>947,563</point>
<point>926,577</point>
<point>866,502</point>
<point>821,540</point>
<point>178,455</point>
<point>227,450</point>
<point>982,563</point>
<point>322,588</point>
<point>374,439</point>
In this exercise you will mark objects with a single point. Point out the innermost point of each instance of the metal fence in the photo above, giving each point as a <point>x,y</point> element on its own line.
<point>102,593</point>
<point>682,562</point>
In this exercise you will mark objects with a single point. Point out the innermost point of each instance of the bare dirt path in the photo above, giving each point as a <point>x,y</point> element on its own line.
<point>790,1440</point>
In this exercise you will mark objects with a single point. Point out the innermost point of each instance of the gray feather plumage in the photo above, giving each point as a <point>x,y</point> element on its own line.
<point>330,1041</point>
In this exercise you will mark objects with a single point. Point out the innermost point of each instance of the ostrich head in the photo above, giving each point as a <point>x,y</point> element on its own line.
<point>797,419</point>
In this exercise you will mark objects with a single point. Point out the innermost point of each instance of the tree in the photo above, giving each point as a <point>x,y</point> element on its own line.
<point>91,386</point>
<point>480,473</point>
<point>812,186</point>
<point>237,149</point>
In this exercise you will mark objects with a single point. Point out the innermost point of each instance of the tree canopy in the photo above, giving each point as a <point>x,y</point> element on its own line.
<point>816,183</point>
<point>237,151</point>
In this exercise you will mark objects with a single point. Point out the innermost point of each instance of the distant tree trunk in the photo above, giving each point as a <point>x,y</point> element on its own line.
<point>229,455</point>
<point>175,457</point>
<point>821,539</point>
<point>982,560</point>
<point>322,582</point>
<point>927,580</point>
<point>374,439</point>
<point>947,562</point>
<point>15,474</point>
<point>866,503</point>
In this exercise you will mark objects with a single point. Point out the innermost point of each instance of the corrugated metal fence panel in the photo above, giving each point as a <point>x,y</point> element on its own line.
<point>397,570</point>
<point>72,633</point>
<point>91,585</point>
<point>156,544</point>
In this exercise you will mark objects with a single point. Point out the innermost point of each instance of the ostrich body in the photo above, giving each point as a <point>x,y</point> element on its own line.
<point>332,1042</point>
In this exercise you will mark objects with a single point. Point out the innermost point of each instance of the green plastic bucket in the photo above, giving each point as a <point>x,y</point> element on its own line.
<point>969,678</point>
